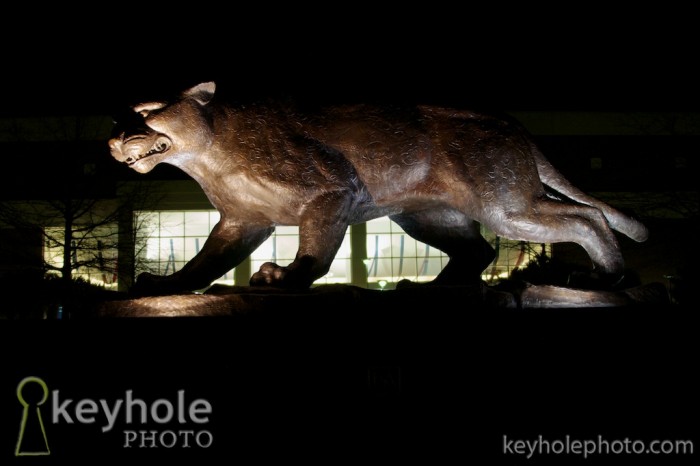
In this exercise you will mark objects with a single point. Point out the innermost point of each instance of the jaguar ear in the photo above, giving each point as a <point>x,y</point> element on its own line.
<point>202,93</point>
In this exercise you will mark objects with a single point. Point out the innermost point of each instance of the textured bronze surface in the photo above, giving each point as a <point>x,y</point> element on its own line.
<point>437,172</point>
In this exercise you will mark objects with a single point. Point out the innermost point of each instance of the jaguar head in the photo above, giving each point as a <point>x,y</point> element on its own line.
<point>170,132</point>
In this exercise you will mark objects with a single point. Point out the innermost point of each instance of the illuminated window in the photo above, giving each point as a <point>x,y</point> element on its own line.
<point>510,255</point>
<point>392,255</point>
<point>282,246</point>
<point>167,240</point>
<point>93,253</point>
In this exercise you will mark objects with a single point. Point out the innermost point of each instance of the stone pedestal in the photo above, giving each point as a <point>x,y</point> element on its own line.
<point>434,376</point>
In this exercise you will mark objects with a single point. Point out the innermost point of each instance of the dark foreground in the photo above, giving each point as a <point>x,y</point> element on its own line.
<point>432,379</point>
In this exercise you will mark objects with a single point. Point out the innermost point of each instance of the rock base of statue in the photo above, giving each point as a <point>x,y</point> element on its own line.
<point>238,300</point>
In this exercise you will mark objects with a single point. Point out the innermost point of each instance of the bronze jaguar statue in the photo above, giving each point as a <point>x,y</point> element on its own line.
<point>437,172</point>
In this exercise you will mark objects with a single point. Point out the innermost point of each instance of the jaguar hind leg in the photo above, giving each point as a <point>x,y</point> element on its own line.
<point>549,221</point>
<point>456,235</point>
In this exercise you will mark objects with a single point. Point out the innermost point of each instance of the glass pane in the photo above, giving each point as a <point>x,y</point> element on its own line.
<point>197,223</point>
<point>431,268</point>
<point>152,250</point>
<point>172,249</point>
<point>287,230</point>
<point>379,225</point>
<point>287,247</point>
<point>192,246</point>
<point>338,273</point>
<point>394,255</point>
<point>264,252</point>
<point>172,224</point>
<point>344,250</point>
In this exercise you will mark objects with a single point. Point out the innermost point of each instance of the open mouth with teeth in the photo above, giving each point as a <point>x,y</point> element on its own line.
<point>161,145</point>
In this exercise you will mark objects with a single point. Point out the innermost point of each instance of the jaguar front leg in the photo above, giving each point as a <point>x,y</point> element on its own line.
<point>228,244</point>
<point>322,227</point>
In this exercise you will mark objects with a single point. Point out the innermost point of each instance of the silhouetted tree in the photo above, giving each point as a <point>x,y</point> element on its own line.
<point>62,194</point>
<point>83,231</point>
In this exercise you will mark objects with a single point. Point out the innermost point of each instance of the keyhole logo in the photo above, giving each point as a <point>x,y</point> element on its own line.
<point>32,435</point>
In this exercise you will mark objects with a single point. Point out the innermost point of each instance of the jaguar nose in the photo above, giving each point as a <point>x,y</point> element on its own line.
<point>115,146</point>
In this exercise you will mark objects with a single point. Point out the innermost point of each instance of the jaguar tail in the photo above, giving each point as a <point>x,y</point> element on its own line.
<point>616,219</point>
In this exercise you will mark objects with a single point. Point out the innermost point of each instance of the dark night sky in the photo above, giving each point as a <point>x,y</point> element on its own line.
<point>601,63</point>
<point>519,83</point>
